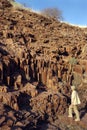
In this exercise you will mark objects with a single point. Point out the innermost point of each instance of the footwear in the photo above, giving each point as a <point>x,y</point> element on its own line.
<point>70,116</point>
<point>77,119</point>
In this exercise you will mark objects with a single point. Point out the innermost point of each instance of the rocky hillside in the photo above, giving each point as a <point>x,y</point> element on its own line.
<point>40,59</point>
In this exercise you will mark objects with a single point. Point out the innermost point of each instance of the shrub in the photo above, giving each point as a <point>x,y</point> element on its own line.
<point>54,13</point>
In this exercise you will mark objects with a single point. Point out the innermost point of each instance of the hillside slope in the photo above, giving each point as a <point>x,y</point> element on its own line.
<point>40,59</point>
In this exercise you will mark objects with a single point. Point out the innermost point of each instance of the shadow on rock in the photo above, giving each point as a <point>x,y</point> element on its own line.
<point>84,111</point>
<point>24,101</point>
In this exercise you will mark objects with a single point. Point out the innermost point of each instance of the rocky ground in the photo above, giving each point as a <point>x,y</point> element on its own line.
<point>40,58</point>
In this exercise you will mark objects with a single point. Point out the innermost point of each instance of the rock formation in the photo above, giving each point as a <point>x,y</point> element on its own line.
<point>39,59</point>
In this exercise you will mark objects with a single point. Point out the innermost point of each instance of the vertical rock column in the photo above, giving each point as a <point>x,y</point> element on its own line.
<point>1,72</point>
<point>55,69</point>
<point>26,66</point>
<point>6,70</point>
<point>44,76</point>
<point>42,71</point>
<point>59,72</point>
<point>8,80</point>
<point>39,70</point>
<point>32,70</point>
<point>26,70</point>
<point>49,78</point>
<point>35,69</point>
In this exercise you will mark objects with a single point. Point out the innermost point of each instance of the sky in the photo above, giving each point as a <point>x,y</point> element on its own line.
<point>73,11</point>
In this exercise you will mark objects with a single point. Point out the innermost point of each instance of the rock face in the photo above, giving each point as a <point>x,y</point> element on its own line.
<point>5,4</point>
<point>40,59</point>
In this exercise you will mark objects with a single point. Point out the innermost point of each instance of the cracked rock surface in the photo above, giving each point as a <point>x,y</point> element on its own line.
<point>40,59</point>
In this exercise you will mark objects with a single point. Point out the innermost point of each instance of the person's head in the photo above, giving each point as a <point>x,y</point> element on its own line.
<point>73,88</point>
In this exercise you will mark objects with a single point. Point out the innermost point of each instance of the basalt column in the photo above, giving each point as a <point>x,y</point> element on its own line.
<point>39,70</point>
<point>26,70</point>
<point>6,70</point>
<point>44,76</point>
<point>59,72</point>
<point>1,72</point>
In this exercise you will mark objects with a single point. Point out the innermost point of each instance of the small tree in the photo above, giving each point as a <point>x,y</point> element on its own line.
<point>72,61</point>
<point>54,13</point>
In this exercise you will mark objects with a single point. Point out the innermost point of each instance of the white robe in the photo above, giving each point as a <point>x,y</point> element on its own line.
<point>75,100</point>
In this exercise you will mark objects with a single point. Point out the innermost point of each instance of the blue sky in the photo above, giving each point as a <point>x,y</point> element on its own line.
<point>74,11</point>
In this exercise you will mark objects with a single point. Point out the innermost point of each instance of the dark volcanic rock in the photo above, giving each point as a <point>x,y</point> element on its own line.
<point>5,4</point>
<point>40,59</point>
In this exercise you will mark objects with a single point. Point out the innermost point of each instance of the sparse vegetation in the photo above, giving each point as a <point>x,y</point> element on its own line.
<point>73,61</point>
<point>54,13</point>
<point>17,5</point>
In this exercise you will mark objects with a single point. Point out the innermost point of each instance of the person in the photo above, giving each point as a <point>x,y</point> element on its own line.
<point>75,101</point>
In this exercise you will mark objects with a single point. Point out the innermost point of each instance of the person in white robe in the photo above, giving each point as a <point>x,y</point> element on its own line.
<point>75,101</point>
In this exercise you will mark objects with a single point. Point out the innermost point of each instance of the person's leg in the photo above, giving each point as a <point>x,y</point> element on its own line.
<point>77,113</point>
<point>70,111</point>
